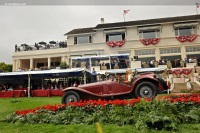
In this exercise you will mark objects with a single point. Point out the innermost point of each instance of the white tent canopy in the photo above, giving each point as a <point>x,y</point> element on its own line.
<point>115,71</point>
<point>52,71</point>
<point>44,73</point>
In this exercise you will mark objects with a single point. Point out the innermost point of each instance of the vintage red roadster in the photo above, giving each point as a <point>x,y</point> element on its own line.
<point>146,84</point>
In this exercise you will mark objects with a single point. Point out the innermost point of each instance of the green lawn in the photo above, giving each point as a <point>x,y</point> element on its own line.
<point>9,105</point>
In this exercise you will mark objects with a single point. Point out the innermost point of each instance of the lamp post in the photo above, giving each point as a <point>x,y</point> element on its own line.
<point>84,75</point>
<point>29,84</point>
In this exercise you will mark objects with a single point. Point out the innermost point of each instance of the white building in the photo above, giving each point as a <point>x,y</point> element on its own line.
<point>153,39</point>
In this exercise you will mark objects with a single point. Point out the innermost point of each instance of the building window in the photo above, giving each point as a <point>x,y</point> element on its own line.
<point>82,39</point>
<point>124,52</point>
<point>80,62</point>
<point>115,37</point>
<point>193,49</point>
<point>185,31</point>
<point>149,34</point>
<point>145,52</point>
<point>170,50</point>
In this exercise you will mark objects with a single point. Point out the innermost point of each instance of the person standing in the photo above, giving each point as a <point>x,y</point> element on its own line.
<point>94,75</point>
<point>169,64</point>
<point>75,84</point>
<point>15,47</point>
<point>156,63</point>
<point>185,62</point>
<point>188,83</point>
<point>182,63</point>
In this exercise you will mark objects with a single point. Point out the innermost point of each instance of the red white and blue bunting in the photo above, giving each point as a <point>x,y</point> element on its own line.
<point>179,71</point>
<point>116,43</point>
<point>189,38</point>
<point>150,41</point>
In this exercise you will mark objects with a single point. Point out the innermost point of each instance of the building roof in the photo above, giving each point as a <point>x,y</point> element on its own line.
<point>148,21</point>
<point>80,30</point>
<point>133,23</point>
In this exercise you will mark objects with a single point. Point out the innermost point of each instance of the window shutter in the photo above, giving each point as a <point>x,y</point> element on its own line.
<point>75,40</point>
<point>107,38</point>
<point>123,36</point>
<point>90,39</point>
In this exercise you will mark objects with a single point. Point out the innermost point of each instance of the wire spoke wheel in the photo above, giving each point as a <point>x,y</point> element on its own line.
<point>146,91</point>
<point>70,96</point>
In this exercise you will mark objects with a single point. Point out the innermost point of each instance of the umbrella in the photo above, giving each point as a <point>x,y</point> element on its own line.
<point>52,42</point>
<point>42,42</point>
<point>24,44</point>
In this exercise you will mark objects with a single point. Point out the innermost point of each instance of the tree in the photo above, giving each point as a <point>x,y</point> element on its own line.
<point>63,65</point>
<point>5,67</point>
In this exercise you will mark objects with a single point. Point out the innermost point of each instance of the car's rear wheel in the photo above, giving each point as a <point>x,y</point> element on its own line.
<point>70,96</point>
<point>145,89</point>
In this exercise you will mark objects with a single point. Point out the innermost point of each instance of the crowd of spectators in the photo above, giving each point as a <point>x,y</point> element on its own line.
<point>170,63</point>
<point>34,69</point>
<point>38,46</point>
<point>6,87</point>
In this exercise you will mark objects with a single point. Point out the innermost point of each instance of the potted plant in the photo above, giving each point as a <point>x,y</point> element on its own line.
<point>63,65</point>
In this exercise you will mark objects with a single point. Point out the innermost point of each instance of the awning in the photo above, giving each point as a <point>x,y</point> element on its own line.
<point>140,70</point>
<point>46,73</point>
<point>185,25</point>
<point>115,31</point>
<point>149,28</point>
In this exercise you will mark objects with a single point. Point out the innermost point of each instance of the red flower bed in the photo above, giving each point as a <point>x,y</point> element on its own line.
<point>53,108</point>
<point>195,98</point>
<point>192,98</point>
<point>104,102</point>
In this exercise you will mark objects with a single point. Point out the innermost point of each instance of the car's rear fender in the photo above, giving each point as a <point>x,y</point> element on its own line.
<point>136,82</point>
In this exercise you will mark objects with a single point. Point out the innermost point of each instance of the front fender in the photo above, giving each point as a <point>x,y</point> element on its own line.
<point>71,88</point>
<point>79,90</point>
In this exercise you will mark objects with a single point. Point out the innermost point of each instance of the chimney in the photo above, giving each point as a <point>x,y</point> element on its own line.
<point>102,20</point>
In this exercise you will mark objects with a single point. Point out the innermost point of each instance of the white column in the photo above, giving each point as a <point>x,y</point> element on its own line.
<point>157,54</point>
<point>14,66</point>
<point>68,60</point>
<point>31,63</point>
<point>49,62</point>
<point>132,53</point>
<point>183,52</point>
<point>63,58</point>
<point>17,65</point>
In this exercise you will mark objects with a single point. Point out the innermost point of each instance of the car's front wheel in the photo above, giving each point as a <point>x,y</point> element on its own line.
<point>145,89</point>
<point>70,96</point>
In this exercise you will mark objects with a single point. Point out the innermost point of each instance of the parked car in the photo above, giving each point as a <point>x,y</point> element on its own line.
<point>143,85</point>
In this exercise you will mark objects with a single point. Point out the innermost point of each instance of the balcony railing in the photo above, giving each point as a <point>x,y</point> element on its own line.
<point>25,47</point>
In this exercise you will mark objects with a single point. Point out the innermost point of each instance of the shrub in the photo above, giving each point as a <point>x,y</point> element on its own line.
<point>164,113</point>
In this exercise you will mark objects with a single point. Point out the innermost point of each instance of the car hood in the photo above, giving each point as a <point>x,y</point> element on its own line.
<point>94,84</point>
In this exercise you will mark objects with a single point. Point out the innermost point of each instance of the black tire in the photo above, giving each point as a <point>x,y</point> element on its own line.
<point>70,96</point>
<point>145,89</point>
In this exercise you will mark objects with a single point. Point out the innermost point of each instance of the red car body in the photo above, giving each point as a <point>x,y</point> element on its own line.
<point>113,89</point>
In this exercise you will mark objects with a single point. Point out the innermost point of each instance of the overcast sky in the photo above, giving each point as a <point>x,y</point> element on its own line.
<point>30,24</point>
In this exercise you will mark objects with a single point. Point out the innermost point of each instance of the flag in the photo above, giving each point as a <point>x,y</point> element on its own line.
<point>126,11</point>
<point>198,5</point>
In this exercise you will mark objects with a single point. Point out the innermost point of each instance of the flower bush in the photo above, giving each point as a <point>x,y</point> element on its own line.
<point>165,112</point>
<point>53,108</point>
